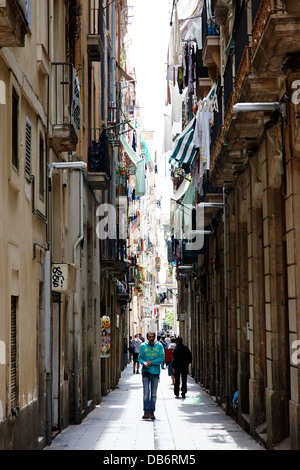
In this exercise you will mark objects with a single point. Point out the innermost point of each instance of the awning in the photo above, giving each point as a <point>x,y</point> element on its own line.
<point>129,150</point>
<point>125,75</point>
<point>184,149</point>
<point>145,151</point>
<point>140,183</point>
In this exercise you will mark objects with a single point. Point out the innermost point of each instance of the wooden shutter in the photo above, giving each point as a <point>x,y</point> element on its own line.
<point>13,352</point>
<point>28,148</point>
<point>42,168</point>
<point>15,130</point>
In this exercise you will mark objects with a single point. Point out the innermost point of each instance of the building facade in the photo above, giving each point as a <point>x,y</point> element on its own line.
<point>239,295</point>
<point>60,77</point>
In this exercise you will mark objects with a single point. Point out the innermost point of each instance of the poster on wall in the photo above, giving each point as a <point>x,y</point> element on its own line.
<point>105,337</point>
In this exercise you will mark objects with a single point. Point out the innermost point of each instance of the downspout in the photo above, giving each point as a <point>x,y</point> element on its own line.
<point>80,237</point>
<point>225,302</point>
<point>77,413</point>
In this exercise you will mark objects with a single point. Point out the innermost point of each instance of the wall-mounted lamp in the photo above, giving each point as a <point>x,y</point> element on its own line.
<point>248,107</point>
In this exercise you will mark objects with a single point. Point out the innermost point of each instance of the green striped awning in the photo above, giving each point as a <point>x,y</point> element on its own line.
<point>184,149</point>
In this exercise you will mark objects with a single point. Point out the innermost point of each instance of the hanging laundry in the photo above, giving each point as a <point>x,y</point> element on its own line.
<point>168,99</point>
<point>197,178</point>
<point>175,43</point>
<point>176,111</point>
<point>134,142</point>
<point>201,137</point>
<point>129,193</point>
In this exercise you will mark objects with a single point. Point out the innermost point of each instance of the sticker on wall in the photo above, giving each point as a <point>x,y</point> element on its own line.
<point>105,337</point>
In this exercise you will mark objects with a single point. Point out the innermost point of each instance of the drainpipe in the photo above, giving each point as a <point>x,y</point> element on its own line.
<point>77,412</point>
<point>80,237</point>
<point>225,301</point>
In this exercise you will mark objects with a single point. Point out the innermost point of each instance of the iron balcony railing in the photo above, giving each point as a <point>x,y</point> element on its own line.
<point>96,21</point>
<point>209,26</point>
<point>66,96</point>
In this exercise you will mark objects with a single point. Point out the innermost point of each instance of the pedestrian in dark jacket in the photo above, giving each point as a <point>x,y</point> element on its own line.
<point>182,357</point>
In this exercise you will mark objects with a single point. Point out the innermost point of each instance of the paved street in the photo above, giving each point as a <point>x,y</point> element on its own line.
<point>116,424</point>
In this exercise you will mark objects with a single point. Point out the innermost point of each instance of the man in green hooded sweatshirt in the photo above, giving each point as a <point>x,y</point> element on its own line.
<point>151,356</point>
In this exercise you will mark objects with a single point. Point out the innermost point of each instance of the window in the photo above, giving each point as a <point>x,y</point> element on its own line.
<point>42,168</point>
<point>15,130</point>
<point>28,12</point>
<point>28,148</point>
<point>13,354</point>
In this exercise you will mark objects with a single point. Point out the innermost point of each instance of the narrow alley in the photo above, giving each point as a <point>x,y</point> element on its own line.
<point>117,423</point>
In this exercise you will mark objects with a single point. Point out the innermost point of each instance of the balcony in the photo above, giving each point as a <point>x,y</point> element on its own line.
<point>211,44</point>
<point>99,158</point>
<point>95,36</point>
<point>203,80</point>
<point>276,36</point>
<point>13,23</point>
<point>66,112</point>
<point>123,295</point>
<point>113,260</point>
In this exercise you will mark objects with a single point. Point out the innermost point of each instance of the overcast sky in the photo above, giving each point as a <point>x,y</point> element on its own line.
<point>149,29</point>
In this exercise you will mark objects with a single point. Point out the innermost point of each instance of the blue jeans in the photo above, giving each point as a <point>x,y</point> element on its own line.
<point>150,383</point>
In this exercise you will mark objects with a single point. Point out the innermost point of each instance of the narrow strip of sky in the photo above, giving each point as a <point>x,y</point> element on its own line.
<point>149,31</point>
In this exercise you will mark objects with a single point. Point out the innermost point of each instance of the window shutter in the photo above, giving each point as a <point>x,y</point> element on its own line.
<point>15,130</point>
<point>42,168</point>
<point>13,353</point>
<point>28,148</point>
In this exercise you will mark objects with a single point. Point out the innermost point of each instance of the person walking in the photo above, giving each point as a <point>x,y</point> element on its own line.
<point>131,349</point>
<point>182,357</point>
<point>151,356</point>
<point>161,340</point>
<point>169,358</point>
<point>137,344</point>
<point>141,337</point>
